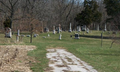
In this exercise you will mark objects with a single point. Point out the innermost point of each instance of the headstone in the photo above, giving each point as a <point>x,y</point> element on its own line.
<point>87,30</point>
<point>44,36</point>
<point>78,28</point>
<point>70,30</point>
<point>76,36</point>
<point>48,35</point>
<point>8,33</point>
<point>53,29</point>
<point>27,35</point>
<point>105,28</point>
<point>22,35</point>
<point>97,27</point>
<point>60,37</point>
<point>59,29</point>
<point>83,28</point>
<point>46,29</point>
<point>18,36</point>
<point>18,33</point>
<point>35,35</point>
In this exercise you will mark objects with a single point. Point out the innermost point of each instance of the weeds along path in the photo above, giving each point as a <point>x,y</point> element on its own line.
<point>62,61</point>
<point>13,58</point>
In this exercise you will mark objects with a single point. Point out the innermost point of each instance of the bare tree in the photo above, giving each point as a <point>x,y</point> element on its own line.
<point>49,12</point>
<point>8,8</point>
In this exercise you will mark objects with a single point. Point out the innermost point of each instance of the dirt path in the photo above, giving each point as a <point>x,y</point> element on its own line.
<point>13,58</point>
<point>63,61</point>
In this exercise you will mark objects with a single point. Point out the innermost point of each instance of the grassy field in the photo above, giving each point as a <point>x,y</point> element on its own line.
<point>103,59</point>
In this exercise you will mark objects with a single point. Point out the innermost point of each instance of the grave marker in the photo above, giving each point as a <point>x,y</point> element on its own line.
<point>8,33</point>
<point>46,29</point>
<point>87,30</point>
<point>105,27</point>
<point>70,30</point>
<point>59,28</point>
<point>60,37</point>
<point>35,35</point>
<point>83,28</point>
<point>48,35</point>
<point>76,36</point>
<point>18,35</point>
<point>53,29</point>
<point>28,36</point>
<point>78,28</point>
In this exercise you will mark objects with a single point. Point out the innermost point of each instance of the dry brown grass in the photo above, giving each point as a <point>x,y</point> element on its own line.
<point>14,58</point>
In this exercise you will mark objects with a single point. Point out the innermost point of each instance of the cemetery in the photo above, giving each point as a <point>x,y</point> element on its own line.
<point>59,36</point>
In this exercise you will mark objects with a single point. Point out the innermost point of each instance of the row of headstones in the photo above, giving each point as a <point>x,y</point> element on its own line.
<point>9,33</point>
<point>54,30</point>
<point>79,29</point>
<point>35,35</point>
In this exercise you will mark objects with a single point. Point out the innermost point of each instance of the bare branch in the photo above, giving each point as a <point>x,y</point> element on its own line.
<point>5,5</point>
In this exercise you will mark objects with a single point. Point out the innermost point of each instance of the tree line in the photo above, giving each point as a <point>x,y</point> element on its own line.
<point>92,13</point>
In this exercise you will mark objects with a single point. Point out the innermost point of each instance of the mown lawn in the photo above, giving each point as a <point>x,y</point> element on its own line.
<point>103,59</point>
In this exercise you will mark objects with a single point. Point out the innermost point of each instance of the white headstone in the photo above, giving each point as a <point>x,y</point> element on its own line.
<point>8,33</point>
<point>60,37</point>
<point>18,33</point>
<point>105,27</point>
<point>53,29</point>
<point>70,30</point>
<point>87,30</point>
<point>79,28</point>
<point>47,29</point>
<point>48,35</point>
